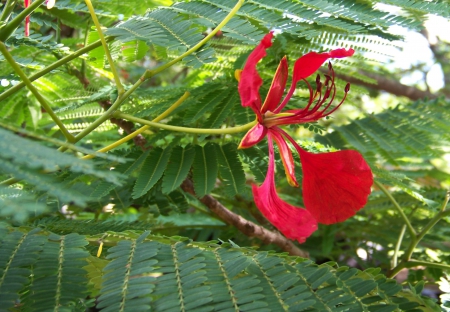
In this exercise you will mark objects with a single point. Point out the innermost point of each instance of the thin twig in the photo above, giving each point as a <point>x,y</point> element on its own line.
<point>411,230</point>
<point>51,67</point>
<point>119,86</point>
<point>397,246</point>
<point>35,92</point>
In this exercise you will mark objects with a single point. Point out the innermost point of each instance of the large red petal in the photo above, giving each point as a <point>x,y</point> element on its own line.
<point>276,90</point>
<point>294,222</point>
<point>253,136</point>
<point>307,65</point>
<point>335,185</point>
<point>250,81</point>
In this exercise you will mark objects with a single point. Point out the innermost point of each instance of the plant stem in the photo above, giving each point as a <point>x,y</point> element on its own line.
<point>411,230</point>
<point>53,66</point>
<point>119,85</point>
<point>407,262</point>
<point>444,204</point>
<point>10,27</point>
<point>397,246</point>
<point>108,114</point>
<point>35,92</point>
<point>142,129</point>
<point>424,231</point>
<point>232,130</point>
<point>151,73</point>
<point>415,263</point>
<point>7,9</point>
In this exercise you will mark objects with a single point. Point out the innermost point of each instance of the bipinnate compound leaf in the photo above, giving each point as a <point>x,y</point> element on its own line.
<point>143,272</point>
<point>19,251</point>
<point>58,278</point>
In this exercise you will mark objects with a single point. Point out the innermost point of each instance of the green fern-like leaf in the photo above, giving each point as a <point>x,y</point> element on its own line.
<point>204,169</point>
<point>18,252</point>
<point>18,204</point>
<point>178,168</point>
<point>147,272</point>
<point>58,277</point>
<point>230,169</point>
<point>151,171</point>
<point>129,290</point>
<point>396,133</point>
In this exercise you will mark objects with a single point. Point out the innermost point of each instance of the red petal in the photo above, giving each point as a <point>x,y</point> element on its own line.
<point>277,88</point>
<point>335,185</point>
<point>253,136</point>
<point>286,156</point>
<point>294,222</point>
<point>250,81</point>
<point>307,65</point>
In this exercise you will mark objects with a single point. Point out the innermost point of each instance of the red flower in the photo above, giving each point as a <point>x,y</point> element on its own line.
<point>335,185</point>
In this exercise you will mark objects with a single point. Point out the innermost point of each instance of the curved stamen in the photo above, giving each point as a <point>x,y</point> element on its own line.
<point>347,89</point>
<point>305,111</point>
<point>333,86</point>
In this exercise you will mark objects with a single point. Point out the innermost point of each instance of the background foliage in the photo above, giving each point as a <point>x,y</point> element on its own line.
<point>146,225</point>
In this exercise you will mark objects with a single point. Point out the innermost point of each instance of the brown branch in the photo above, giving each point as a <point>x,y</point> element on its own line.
<point>388,85</point>
<point>247,227</point>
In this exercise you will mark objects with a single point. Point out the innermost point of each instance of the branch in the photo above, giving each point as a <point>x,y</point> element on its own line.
<point>388,85</point>
<point>247,227</point>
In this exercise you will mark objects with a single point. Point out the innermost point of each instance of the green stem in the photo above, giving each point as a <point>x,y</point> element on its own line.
<point>148,74</point>
<point>232,130</point>
<point>108,114</point>
<point>411,230</point>
<point>119,85</point>
<point>424,232</point>
<point>415,263</point>
<point>397,246</point>
<point>51,67</point>
<point>9,181</point>
<point>407,262</point>
<point>9,28</point>
<point>7,9</point>
<point>58,30</point>
<point>444,204</point>
<point>35,92</point>
<point>151,73</point>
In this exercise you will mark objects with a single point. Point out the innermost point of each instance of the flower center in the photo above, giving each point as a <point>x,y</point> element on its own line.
<point>271,119</point>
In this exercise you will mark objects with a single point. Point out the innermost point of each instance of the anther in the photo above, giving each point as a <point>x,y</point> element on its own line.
<point>347,87</point>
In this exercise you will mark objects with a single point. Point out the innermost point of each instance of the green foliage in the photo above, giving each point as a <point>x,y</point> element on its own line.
<point>204,170</point>
<point>161,274</point>
<point>151,171</point>
<point>179,164</point>
<point>397,133</point>
<point>57,210</point>
<point>230,169</point>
